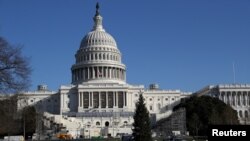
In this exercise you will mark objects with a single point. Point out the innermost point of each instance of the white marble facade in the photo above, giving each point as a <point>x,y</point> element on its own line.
<point>99,101</point>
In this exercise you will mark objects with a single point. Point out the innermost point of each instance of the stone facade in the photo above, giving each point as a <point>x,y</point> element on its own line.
<point>99,101</point>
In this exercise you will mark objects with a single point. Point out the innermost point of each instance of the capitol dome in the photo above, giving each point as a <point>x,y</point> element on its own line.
<point>98,59</point>
<point>96,37</point>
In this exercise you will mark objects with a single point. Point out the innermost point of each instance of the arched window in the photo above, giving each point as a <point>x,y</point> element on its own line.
<point>97,123</point>
<point>125,123</point>
<point>107,124</point>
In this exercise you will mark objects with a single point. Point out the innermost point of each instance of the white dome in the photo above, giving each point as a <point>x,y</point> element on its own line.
<point>98,59</point>
<point>98,37</point>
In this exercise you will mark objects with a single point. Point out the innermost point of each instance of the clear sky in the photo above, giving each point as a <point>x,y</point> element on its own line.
<point>179,44</point>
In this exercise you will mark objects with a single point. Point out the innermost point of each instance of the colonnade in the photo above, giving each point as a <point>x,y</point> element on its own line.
<point>102,99</point>
<point>98,56</point>
<point>95,72</point>
<point>234,98</point>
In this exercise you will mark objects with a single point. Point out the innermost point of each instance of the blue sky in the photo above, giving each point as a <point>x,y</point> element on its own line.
<point>179,44</point>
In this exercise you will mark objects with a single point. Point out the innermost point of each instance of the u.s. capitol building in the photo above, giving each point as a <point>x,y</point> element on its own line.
<point>99,101</point>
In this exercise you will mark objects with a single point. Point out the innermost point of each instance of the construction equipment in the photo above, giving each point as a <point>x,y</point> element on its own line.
<point>64,136</point>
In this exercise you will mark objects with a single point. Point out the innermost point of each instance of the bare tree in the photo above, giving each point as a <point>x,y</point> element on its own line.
<point>14,68</point>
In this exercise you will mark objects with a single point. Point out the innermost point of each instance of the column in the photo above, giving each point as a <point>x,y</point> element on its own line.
<point>126,99</point>
<point>116,96</point>
<point>99,99</point>
<point>120,70</point>
<point>231,98</point>
<point>83,73</point>
<point>92,99</point>
<point>241,99</point>
<point>93,72</point>
<point>110,73</point>
<point>113,99</point>
<point>121,74</point>
<point>89,99</point>
<point>116,73</point>
<point>82,99</point>
<point>238,97</point>
<point>106,99</point>
<point>246,97</point>
<point>88,72</point>
<point>79,100</point>
<point>102,72</point>
<point>123,93</point>
<point>97,71</point>
<point>106,72</point>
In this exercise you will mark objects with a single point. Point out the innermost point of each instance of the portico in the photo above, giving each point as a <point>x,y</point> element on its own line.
<point>101,100</point>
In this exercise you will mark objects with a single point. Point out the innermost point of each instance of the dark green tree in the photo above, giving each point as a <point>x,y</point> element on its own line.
<point>16,122</point>
<point>142,127</point>
<point>204,111</point>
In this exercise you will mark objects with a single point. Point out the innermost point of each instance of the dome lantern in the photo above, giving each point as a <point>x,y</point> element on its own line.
<point>98,20</point>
